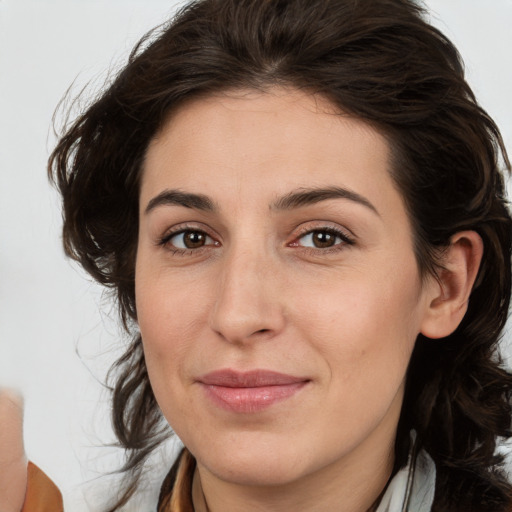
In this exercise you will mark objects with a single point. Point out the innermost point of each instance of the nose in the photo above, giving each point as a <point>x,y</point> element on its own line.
<point>248,302</point>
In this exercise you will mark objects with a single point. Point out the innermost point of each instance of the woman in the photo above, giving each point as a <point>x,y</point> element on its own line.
<point>299,207</point>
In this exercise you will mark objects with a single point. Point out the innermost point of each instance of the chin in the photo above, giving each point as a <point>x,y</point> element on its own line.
<point>253,460</point>
<point>260,471</point>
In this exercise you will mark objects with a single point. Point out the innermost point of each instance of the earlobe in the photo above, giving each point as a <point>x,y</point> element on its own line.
<point>449,294</point>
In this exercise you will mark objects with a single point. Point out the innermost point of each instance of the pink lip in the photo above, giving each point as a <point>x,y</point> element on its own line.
<point>247,392</point>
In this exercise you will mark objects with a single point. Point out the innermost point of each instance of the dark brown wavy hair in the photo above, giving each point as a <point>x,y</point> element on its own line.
<point>382,62</point>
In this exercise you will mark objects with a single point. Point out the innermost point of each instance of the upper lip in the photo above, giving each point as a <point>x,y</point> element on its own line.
<point>251,379</point>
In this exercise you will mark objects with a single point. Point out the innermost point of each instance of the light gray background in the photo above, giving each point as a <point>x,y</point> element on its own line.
<point>57,334</point>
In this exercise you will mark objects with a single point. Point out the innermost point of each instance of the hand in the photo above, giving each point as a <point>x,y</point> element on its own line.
<point>13,461</point>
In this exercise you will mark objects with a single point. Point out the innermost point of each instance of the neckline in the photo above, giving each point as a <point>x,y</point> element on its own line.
<point>411,489</point>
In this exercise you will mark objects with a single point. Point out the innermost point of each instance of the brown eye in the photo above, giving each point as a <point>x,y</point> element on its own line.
<point>189,239</point>
<point>194,239</point>
<point>323,239</point>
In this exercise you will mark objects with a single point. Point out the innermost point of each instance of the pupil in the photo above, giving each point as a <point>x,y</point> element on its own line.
<point>194,239</point>
<point>323,239</point>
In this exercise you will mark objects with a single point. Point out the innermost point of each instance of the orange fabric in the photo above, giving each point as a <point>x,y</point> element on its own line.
<point>42,494</point>
<point>176,492</point>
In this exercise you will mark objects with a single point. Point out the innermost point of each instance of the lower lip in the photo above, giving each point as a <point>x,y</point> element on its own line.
<point>250,400</point>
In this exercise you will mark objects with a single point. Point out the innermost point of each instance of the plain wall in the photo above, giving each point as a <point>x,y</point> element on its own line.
<point>57,334</point>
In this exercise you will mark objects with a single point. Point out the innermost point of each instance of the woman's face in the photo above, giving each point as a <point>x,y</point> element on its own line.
<point>278,295</point>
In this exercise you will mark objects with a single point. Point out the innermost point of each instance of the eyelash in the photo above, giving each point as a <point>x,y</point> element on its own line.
<point>344,237</point>
<point>337,233</point>
<point>179,251</point>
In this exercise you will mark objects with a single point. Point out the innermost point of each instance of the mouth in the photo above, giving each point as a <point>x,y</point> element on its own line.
<point>249,392</point>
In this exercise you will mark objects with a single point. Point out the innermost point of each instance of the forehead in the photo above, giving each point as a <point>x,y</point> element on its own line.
<point>259,143</point>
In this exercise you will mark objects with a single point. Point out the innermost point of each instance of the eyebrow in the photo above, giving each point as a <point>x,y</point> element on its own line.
<point>179,198</point>
<point>295,199</point>
<point>308,196</point>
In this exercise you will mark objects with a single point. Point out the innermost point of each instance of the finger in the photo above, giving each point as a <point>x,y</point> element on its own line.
<point>13,462</point>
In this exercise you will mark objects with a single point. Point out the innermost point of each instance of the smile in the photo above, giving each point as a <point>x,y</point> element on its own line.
<point>249,392</point>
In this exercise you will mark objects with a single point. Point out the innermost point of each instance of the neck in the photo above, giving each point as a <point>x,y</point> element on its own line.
<point>354,484</point>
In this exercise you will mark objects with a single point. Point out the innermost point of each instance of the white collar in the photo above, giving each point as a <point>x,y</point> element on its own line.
<point>412,489</point>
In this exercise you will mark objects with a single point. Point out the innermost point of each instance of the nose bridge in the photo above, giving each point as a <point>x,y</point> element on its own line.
<point>246,302</point>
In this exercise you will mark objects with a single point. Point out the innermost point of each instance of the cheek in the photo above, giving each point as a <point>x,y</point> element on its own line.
<point>365,327</point>
<point>167,328</point>
<point>168,323</point>
<point>167,307</point>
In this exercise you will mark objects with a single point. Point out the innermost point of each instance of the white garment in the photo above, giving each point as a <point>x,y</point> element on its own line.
<point>412,489</point>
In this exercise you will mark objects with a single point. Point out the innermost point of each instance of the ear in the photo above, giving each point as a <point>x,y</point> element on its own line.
<point>448,295</point>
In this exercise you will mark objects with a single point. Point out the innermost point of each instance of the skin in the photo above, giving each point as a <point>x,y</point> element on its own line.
<point>261,294</point>
<point>13,462</point>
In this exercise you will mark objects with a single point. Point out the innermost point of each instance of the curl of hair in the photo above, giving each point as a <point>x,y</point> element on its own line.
<point>382,62</point>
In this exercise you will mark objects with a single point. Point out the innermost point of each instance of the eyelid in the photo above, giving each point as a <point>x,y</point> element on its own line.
<point>184,227</point>
<point>347,237</point>
<point>311,226</point>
